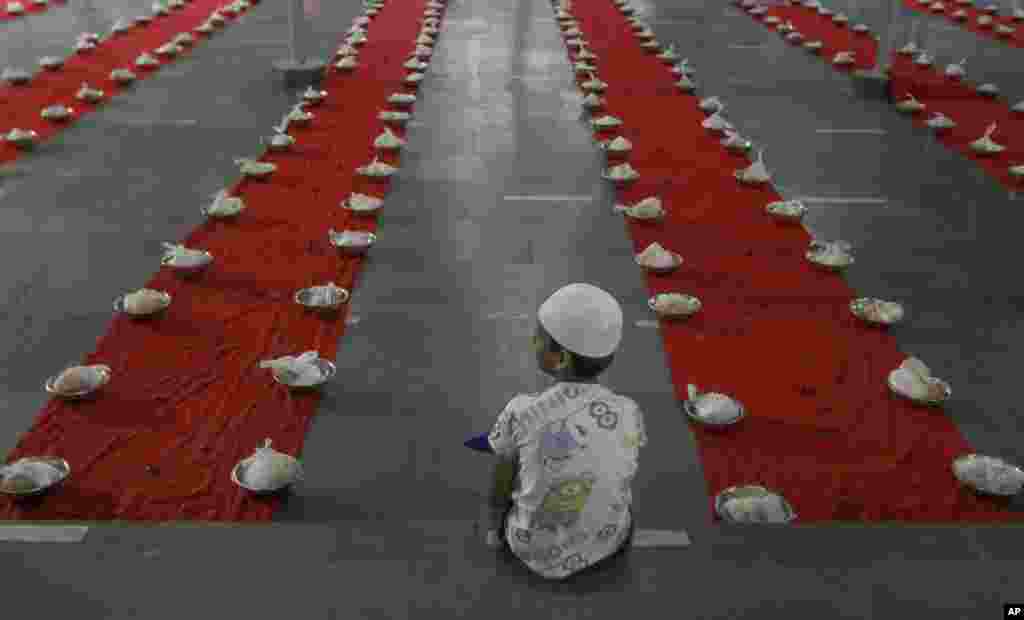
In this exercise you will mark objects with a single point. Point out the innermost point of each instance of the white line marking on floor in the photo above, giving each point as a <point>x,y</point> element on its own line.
<point>677,20</point>
<point>647,323</point>
<point>878,132</point>
<point>747,47</point>
<point>660,538</point>
<point>141,122</point>
<point>43,533</point>
<point>542,198</point>
<point>508,317</point>
<point>844,201</point>
<point>352,320</point>
<point>264,42</point>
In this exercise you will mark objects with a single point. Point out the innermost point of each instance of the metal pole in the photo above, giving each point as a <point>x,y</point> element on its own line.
<point>886,36</point>
<point>886,43</point>
<point>87,15</point>
<point>292,31</point>
<point>923,26</point>
<point>295,71</point>
<point>874,82</point>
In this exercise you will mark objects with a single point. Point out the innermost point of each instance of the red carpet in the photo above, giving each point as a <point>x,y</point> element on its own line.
<point>1015,39</point>
<point>834,38</point>
<point>775,331</point>
<point>30,9</point>
<point>971,111</point>
<point>21,105</point>
<point>187,396</point>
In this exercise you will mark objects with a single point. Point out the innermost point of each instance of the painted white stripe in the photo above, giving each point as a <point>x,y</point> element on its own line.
<point>352,320</point>
<point>541,78</point>
<point>844,201</point>
<point>507,317</point>
<point>660,538</point>
<point>647,324</point>
<point>877,132</point>
<point>43,533</point>
<point>542,198</point>
<point>747,47</point>
<point>141,122</point>
<point>263,42</point>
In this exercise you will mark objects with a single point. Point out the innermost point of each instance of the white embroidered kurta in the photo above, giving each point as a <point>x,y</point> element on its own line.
<point>578,446</point>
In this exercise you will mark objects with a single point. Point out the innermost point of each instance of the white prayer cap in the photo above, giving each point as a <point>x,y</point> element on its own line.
<point>584,319</point>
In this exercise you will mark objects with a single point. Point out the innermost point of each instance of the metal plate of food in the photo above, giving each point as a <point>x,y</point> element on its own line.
<point>685,306</point>
<point>23,139</point>
<point>327,370</point>
<point>989,475</point>
<point>119,306</point>
<point>337,296</point>
<point>208,210</point>
<point>819,254</point>
<point>314,97</point>
<point>279,142</point>
<point>367,242</point>
<point>21,486</point>
<point>939,391</point>
<point>104,377</point>
<point>238,477</point>
<point>610,150</point>
<point>677,262</point>
<point>753,504</point>
<point>366,207</point>
<point>714,409</point>
<point>168,261</point>
<point>877,311</point>
<point>786,210</point>
<point>622,181</point>
<point>57,113</point>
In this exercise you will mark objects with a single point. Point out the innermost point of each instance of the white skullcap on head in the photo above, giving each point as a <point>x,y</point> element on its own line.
<point>584,319</point>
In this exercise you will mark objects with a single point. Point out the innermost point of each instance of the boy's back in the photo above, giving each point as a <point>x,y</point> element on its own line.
<point>577,445</point>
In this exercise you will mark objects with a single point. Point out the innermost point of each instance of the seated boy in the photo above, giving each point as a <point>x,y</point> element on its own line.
<point>575,446</point>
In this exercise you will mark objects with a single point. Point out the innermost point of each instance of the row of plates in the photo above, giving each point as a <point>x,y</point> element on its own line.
<point>327,369</point>
<point>729,411</point>
<point>237,476</point>
<point>724,501</point>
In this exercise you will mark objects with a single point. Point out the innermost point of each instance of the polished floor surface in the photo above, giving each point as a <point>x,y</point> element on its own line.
<point>498,203</point>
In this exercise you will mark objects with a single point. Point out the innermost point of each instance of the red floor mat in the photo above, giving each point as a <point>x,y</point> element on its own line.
<point>775,331</point>
<point>21,105</point>
<point>957,100</point>
<point>1016,39</point>
<point>187,396</point>
<point>30,9</point>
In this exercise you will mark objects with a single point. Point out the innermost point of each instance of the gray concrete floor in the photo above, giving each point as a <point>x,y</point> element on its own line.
<point>384,525</point>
